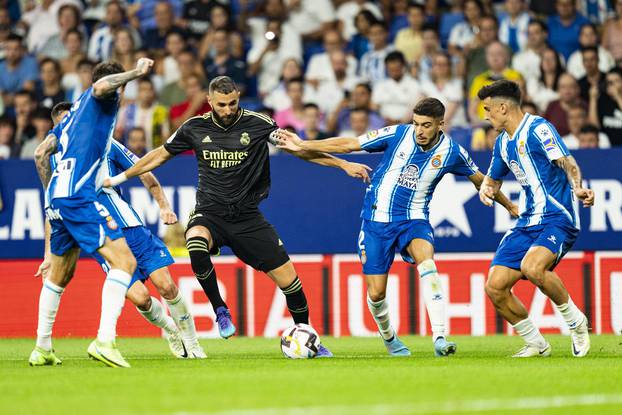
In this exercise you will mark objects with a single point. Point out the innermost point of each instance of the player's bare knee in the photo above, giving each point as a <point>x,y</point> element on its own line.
<point>494,292</point>
<point>139,296</point>
<point>376,294</point>
<point>534,273</point>
<point>168,289</point>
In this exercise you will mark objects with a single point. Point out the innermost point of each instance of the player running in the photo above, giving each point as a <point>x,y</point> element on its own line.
<point>530,147</point>
<point>152,255</point>
<point>230,144</point>
<point>78,220</point>
<point>395,210</point>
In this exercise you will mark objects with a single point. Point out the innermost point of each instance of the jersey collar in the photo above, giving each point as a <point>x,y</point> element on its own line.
<point>430,150</point>
<point>520,127</point>
<point>241,112</point>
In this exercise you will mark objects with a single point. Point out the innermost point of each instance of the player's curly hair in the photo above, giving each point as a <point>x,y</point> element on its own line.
<point>503,89</point>
<point>430,107</point>
<point>105,69</point>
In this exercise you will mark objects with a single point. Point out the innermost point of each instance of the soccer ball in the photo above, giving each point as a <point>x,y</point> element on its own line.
<point>300,341</point>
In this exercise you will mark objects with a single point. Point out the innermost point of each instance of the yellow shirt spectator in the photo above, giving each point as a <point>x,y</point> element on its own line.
<point>487,78</point>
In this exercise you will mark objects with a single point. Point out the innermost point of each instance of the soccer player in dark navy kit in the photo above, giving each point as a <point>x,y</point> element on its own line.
<point>230,144</point>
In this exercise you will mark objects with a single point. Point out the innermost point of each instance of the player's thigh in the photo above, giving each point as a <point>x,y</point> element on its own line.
<point>420,250</point>
<point>416,241</point>
<point>62,267</point>
<point>138,294</point>
<point>204,225</point>
<point>376,247</point>
<point>150,252</point>
<point>501,279</point>
<point>163,281</point>
<point>376,286</point>
<point>118,255</point>
<point>536,262</point>
<point>513,248</point>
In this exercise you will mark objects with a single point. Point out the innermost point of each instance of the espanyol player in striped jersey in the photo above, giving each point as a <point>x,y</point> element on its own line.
<point>395,210</point>
<point>530,148</point>
<point>150,252</point>
<point>76,218</point>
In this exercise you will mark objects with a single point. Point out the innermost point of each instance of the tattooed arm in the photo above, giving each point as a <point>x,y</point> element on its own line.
<point>569,165</point>
<point>110,83</point>
<point>42,159</point>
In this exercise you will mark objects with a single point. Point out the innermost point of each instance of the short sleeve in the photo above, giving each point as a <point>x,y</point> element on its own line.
<point>552,144</point>
<point>377,140</point>
<point>498,169</point>
<point>179,142</point>
<point>462,163</point>
<point>122,156</point>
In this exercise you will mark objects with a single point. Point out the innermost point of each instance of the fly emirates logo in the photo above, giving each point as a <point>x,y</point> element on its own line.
<point>223,159</point>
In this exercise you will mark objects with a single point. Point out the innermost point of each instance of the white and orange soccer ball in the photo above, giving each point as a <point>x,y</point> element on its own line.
<point>300,341</point>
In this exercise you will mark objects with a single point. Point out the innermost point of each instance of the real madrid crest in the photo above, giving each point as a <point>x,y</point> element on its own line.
<point>245,139</point>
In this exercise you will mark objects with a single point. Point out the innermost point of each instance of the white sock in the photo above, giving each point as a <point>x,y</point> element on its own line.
<point>380,311</point>
<point>433,297</point>
<point>571,313</point>
<point>49,300</point>
<point>113,299</point>
<point>179,311</point>
<point>156,316</point>
<point>528,331</point>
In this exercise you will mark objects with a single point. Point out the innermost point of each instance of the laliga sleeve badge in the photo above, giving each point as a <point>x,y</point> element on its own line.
<point>112,224</point>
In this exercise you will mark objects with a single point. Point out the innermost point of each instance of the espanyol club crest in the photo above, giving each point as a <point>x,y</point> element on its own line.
<point>245,139</point>
<point>521,148</point>
<point>437,161</point>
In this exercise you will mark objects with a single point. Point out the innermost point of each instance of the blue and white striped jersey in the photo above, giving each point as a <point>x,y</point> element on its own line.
<point>403,183</point>
<point>83,139</point>
<point>529,154</point>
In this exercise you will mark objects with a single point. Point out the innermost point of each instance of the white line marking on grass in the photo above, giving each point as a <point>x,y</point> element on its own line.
<point>451,407</point>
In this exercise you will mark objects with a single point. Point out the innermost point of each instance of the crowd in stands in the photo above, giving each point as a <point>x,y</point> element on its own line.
<point>320,67</point>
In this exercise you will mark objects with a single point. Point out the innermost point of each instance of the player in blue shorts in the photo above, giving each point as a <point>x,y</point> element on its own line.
<point>395,210</point>
<point>151,254</point>
<point>530,148</point>
<point>76,218</point>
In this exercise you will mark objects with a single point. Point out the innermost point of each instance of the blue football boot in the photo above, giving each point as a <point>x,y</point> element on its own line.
<point>444,348</point>
<point>395,347</point>
<point>225,324</point>
<point>323,351</point>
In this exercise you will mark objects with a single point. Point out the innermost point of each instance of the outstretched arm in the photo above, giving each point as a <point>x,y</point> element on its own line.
<point>155,158</point>
<point>42,159</point>
<point>569,165</point>
<point>152,184</point>
<point>488,190</point>
<point>478,180</point>
<point>292,142</point>
<point>110,83</point>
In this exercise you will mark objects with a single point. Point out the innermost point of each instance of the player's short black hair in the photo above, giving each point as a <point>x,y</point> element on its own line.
<point>105,69</point>
<point>589,129</point>
<point>540,23</point>
<point>501,89</point>
<point>589,49</point>
<point>222,85</point>
<point>60,107</point>
<point>430,107</point>
<point>395,56</point>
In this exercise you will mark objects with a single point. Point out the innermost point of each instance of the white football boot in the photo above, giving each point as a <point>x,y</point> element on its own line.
<point>530,350</point>
<point>580,337</point>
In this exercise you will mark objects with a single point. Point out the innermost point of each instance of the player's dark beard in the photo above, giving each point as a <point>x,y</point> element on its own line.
<point>228,120</point>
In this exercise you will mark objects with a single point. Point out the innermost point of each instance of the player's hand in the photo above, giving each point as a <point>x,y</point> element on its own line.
<point>44,268</point>
<point>586,195</point>
<point>287,140</point>
<point>357,170</point>
<point>486,194</point>
<point>168,216</point>
<point>514,211</point>
<point>143,66</point>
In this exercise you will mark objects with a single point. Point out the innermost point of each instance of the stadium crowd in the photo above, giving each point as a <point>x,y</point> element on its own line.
<point>320,67</point>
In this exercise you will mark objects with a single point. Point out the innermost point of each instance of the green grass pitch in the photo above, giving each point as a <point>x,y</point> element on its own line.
<point>250,376</point>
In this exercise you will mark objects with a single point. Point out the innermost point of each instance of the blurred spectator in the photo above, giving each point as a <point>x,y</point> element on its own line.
<point>475,60</point>
<point>463,34</point>
<point>220,19</point>
<point>69,19</point>
<point>330,92</point>
<point>277,99</point>
<point>174,92</point>
<point>577,119</point>
<point>319,68</point>
<point>448,90</point>
<point>513,26</point>
<point>588,37</point>
<point>543,89</point>
<point>69,65</point>
<point>294,115</point>
<point>612,34</point>
<point>311,17</point>
<point>42,22</point>
<point>569,96</point>
<point>593,76</point>
<point>372,66</point>
<point>100,44</point>
<point>124,52</point>
<point>484,138</point>
<point>449,20</point>
<point>195,103</point>
<point>605,110</point>
<point>564,27</point>
<point>542,8</point>
<point>85,79</point>
<point>137,141</point>
<point>497,58</point>
<point>196,17</point>
<point>48,90</point>
<point>347,12</point>
<point>359,123</point>
<point>7,133</point>
<point>17,71</point>
<point>588,137</point>
<point>409,40</point>
<point>147,114</point>
<point>359,43</point>
<point>168,68</point>
<point>266,57</point>
<point>398,12</point>
<point>396,96</point>
<point>143,13</point>
<point>42,121</point>
<point>431,46</point>
<point>24,106</point>
<point>360,98</point>
<point>311,120</point>
<point>527,62</point>
<point>222,63</point>
<point>155,38</point>
<point>529,107</point>
<point>597,11</point>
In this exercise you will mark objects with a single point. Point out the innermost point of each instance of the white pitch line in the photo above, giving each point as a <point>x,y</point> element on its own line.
<point>451,407</point>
